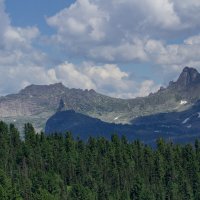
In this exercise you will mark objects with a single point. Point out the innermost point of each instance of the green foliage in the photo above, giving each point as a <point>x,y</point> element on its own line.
<point>79,192</point>
<point>63,168</point>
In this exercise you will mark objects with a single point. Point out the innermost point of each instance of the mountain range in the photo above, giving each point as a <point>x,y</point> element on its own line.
<point>38,103</point>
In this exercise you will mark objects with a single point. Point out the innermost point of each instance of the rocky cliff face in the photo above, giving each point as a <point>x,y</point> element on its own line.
<point>188,78</point>
<point>36,103</point>
<point>31,101</point>
<point>32,104</point>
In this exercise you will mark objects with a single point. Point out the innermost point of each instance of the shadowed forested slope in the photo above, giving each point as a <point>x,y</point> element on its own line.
<point>60,167</point>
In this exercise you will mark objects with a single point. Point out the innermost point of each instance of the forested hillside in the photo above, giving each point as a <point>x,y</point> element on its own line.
<point>60,167</point>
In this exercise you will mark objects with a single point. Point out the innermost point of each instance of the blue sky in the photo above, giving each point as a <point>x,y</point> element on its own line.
<point>33,12</point>
<point>122,48</point>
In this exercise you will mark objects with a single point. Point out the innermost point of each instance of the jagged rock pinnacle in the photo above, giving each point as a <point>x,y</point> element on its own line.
<point>188,77</point>
<point>61,106</point>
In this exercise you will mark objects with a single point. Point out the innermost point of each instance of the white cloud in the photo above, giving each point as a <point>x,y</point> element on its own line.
<point>19,37</point>
<point>73,77</point>
<point>127,51</point>
<point>4,21</point>
<point>82,20</point>
<point>107,79</point>
<point>12,36</point>
<point>114,30</point>
<point>194,40</point>
<point>147,87</point>
<point>13,79</point>
<point>120,31</point>
<point>188,11</point>
<point>19,60</point>
<point>89,76</point>
<point>173,57</point>
<point>163,12</point>
<point>159,13</point>
<point>85,22</point>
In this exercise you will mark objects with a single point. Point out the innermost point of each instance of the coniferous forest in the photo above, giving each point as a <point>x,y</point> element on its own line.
<point>57,167</point>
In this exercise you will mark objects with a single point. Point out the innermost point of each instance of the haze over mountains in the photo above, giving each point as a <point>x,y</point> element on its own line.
<point>37,103</point>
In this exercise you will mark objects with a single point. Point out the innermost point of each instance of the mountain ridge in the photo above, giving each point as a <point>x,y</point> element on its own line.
<point>36,103</point>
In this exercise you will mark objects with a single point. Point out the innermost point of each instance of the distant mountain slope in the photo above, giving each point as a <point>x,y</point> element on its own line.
<point>33,104</point>
<point>180,127</point>
<point>83,126</point>
<point>36,103</point>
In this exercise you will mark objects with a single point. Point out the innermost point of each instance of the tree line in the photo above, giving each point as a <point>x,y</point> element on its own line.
<point>59,167</point>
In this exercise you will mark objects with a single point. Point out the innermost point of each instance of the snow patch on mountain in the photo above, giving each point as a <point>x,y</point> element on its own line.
<point>183,102</point>
<point>189,126</point>
<point>185,121</point>
<point>116,118</point>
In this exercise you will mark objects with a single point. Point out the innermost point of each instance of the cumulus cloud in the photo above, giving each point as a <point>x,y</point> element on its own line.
<point>108,79</point>
<point>18,58</point>
<point>146,87</point>
<point>4,22</point>
<point>22,64</point>
<point>13,36</point>
<point>118,30</point>
<point>173,57</point>
<point>126,51</point>
<point>19,37</point>
<point>81,19</point>
<point>188,12</point>
<point>111,33</point>
<point>72,77</point>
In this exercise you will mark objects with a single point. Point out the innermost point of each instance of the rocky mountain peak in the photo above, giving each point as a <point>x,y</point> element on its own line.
<point>188,76</point>
<point>61,106</point>
<point>43,89</point>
